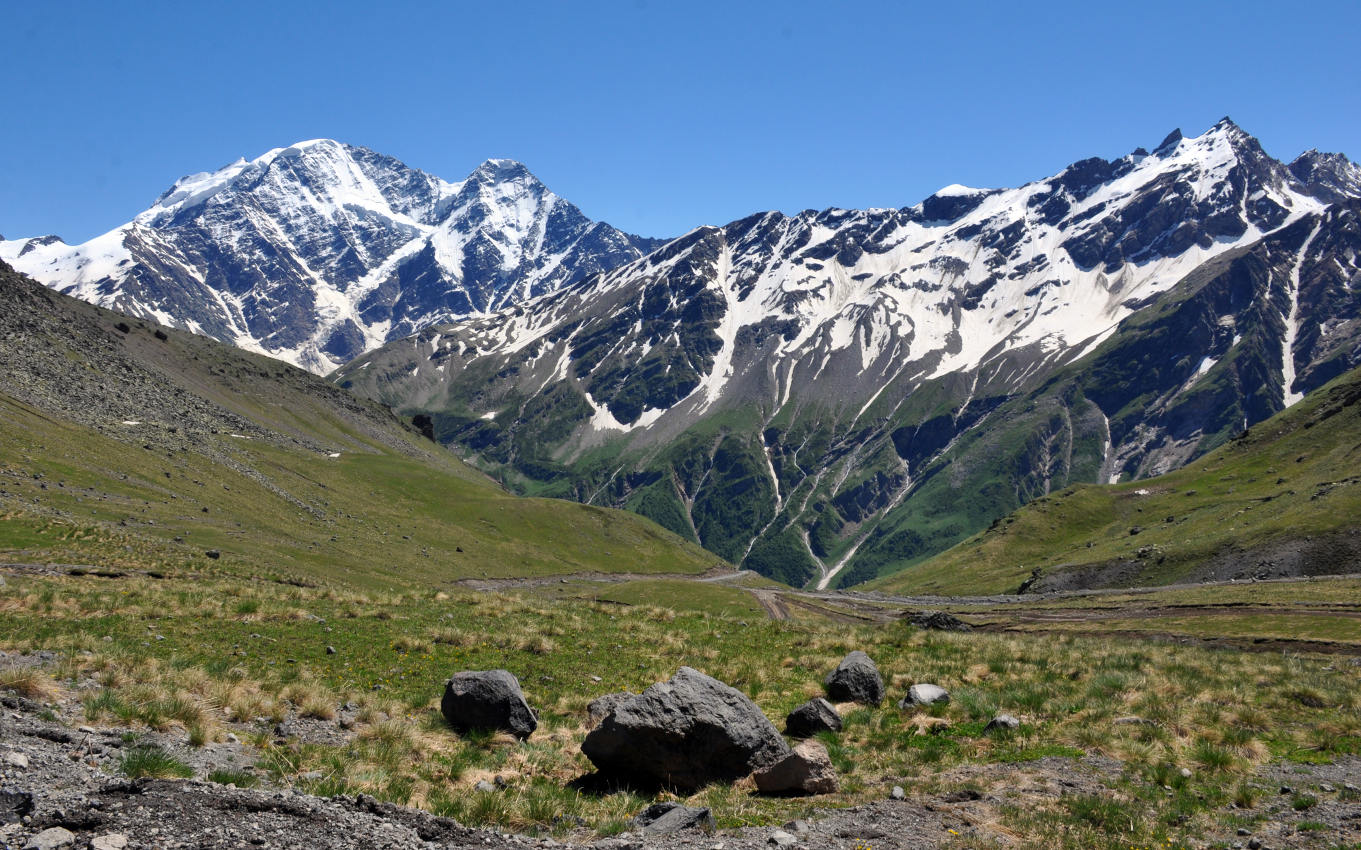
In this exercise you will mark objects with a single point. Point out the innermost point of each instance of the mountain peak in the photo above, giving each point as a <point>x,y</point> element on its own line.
<point>499,170</point>
<point>1330,177</point>
<point>1170,142</point>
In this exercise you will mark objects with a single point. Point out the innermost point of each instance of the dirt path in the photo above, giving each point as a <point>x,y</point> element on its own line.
<point>486,584</point>
<point>774,605</point>
<point>1247,644</point>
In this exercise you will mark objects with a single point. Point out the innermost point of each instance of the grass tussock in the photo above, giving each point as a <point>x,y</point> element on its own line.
<point>28,683</point>
<point>150,761</point>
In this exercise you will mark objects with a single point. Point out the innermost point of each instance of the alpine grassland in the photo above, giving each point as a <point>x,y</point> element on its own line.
<point>1162,742</point>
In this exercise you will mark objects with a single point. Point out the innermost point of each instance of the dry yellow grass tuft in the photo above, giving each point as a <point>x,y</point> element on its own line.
<point>29,683</point>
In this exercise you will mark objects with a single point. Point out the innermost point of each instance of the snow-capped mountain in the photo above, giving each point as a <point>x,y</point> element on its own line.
<point>320,251</point>
<point>839,393</point>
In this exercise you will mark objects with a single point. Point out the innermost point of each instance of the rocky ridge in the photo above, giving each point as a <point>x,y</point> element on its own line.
<point>319,251</point>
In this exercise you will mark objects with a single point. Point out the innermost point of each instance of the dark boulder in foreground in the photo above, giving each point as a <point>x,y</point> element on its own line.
<point>816,715</point>
<point>487,699</point>
<point>660,818</point>
<point>684,733</point>
<point>855,679</point>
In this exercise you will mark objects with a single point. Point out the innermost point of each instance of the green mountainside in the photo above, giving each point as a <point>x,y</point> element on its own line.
<point>132,446</point>
<point>1281,499</point>
<point>812,490</point>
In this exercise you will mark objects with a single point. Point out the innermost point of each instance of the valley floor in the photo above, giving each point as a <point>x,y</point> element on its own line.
<point>216,711</point>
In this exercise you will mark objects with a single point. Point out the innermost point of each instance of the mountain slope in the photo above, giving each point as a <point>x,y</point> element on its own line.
<point>320,251</point>
<point>1278,500</point>
<point>132,446</point>
<point>835,395</point>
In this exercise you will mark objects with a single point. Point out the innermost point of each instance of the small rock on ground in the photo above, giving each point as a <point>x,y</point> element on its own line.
<point>1003,721</point>
<point>924,694</point>
<point>51,839</point>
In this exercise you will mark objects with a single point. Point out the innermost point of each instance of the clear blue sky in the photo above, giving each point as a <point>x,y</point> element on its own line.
<point>654,116</point>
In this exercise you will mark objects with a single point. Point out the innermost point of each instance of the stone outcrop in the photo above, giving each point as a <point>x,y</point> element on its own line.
<point>684,733</point>
<point>487,699</point>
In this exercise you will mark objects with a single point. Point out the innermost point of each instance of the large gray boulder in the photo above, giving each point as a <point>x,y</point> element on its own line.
<point>600,707</point>
<point>487,699</point>
<point>855,679</point>
<point>816,715</point>
<point>684,734</point>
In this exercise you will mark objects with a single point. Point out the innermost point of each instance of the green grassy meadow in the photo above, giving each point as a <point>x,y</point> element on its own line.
<point>371,517</point>
<point>242,655</point>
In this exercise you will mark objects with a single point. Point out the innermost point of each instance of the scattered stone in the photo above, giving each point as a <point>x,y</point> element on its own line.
<point>1132,720</point>
<point>51,839</point>
<point>855,679</point>
<point>484,787</point>
<point>897,793</point>
<point>488,699</point>
<point>1003,721</point>
<point>15,806</point>
<point>1185,773</point>
<point>1244,831</point>
<point>660,818</point>
<point>112,841</point>
<point>1326,788</point>
<point>212,553</point>
<point>816,715</point>
<point>806,770</point>
<point>938,621</point>
<point>1254,844</point>
<point>330,650</point>
<point>799,826</point>
<point>18,760</point>
<point>601,707</point>
<point>924,694</point>
<point>780,838</point>
<point>684,733</point>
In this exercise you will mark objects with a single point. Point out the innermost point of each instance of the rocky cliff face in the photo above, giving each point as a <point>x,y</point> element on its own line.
<point>318,252</point>
<point>828,396</point>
